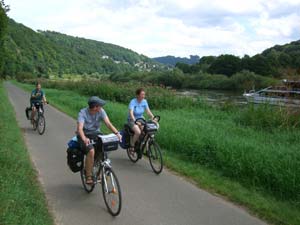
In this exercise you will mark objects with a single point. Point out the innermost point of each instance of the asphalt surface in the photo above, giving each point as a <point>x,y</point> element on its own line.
<point>148,199</point>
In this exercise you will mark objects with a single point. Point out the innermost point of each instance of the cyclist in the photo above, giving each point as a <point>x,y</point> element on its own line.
<point>137,107</point>
<point>88,127</point>
<point>37,96</point>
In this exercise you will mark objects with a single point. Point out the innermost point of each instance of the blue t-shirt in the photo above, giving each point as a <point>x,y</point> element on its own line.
<point>36,96</point>
<point>91,122</point>
<point>138,108</point>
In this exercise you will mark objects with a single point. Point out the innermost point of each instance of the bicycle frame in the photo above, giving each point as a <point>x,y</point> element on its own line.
<point>39,111</point>
<point>144,140</point>
<point>102,162</point>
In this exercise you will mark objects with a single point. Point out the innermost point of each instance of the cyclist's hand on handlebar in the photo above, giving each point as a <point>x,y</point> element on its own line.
<point>86,141</point>
<point>119,136</point>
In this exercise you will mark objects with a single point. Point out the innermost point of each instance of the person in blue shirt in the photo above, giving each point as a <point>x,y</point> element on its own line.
<point>137,107</point>
<point>37,96</point>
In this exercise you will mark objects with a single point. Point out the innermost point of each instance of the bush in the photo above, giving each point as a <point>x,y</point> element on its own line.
<point>22,76</point>
<point>158,97</point>
<point>246,80</point>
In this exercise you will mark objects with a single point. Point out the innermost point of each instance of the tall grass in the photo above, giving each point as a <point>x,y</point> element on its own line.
<point>268,117</point>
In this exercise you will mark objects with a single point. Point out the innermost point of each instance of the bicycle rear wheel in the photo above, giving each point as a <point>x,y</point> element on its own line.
<point>41,124</point>
<point>155,157</point>
<point>111,191</point>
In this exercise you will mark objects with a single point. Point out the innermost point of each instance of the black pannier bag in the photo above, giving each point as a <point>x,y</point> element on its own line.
<point>125,143</point>
<point>28,113</point>
<point>74,156</point>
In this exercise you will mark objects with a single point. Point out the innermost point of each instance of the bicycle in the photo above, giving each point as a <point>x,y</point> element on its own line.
<point>38,121</point>
<point>147,144</point>
<point>103,173</point>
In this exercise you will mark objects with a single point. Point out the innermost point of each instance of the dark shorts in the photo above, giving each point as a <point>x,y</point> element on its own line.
<point>34,104</point>
<point>86,148</point>
<point>131,123</point>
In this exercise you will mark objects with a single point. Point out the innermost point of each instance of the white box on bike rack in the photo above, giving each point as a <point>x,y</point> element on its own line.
<point>151,128</point>
<point>110,142</point>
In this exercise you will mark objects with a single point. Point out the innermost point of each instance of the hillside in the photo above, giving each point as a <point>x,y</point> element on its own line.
<point>172,60</point>
<point>228,72</point>
<point>278,61</point>
<point>43,52</point>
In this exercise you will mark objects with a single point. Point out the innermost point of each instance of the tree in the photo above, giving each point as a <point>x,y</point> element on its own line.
<point>284,59</point>
<point>205,62</point>
<point>225,64</point>
<point>261,66</point>
<point>183,67</point>
<point>3,27</point>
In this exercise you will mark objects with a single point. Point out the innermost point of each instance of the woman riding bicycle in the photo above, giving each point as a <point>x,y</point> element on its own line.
<point>137,107</point>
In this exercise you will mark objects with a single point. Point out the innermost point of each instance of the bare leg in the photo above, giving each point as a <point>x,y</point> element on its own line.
<point>33,114</point>
<point>89,162</point>
<point>137,133</point>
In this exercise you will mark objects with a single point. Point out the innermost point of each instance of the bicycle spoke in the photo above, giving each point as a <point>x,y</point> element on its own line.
<point>111,192</point>
<point>155,157</point>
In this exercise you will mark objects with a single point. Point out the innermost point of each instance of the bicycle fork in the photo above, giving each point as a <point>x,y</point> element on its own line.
<point>104,166</point>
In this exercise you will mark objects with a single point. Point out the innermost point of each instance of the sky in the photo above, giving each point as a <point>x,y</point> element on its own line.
<point>168,27</point>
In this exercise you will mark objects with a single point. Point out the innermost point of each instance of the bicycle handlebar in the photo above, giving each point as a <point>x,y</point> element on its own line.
<point>143,121</point>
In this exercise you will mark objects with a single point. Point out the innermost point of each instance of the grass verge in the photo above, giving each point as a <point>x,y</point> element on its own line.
<point>227,148</point>
<point>21,198</point>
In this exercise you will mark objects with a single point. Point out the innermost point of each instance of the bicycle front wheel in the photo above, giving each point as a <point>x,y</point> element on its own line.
<point>111,191</point>
<point>155,157</point>
<point>132,155</point>
<point>41,124</point>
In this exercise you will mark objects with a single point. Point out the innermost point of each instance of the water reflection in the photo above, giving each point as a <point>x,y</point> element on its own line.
<point>216,96</point>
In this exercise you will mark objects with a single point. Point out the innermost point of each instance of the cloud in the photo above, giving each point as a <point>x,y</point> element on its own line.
<point>169,27</point>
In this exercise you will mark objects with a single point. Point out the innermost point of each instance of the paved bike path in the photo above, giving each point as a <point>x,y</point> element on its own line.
<point>148,199</point>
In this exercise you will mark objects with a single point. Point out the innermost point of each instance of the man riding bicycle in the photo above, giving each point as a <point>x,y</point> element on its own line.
<point>37,97</point>
<point>88,127</point>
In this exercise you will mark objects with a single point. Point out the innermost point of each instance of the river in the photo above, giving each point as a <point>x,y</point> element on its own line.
<point>216,96</point>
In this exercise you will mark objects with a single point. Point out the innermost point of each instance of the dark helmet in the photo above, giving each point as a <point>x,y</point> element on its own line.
<point>95,101</point>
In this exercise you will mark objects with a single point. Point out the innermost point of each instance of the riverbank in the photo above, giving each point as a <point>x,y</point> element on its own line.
<point>21,198</point>
<point>254,167</point>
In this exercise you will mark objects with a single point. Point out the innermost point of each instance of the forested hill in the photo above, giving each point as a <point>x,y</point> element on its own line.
<point>43,52</point>
<point>172,60</point>
<point>278,61</point>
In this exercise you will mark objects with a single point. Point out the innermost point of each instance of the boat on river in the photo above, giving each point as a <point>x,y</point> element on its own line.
<point>288,94</point>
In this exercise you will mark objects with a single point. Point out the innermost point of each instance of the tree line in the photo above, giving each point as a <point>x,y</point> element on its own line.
<point>3,29</point>
<point>277,62</point>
